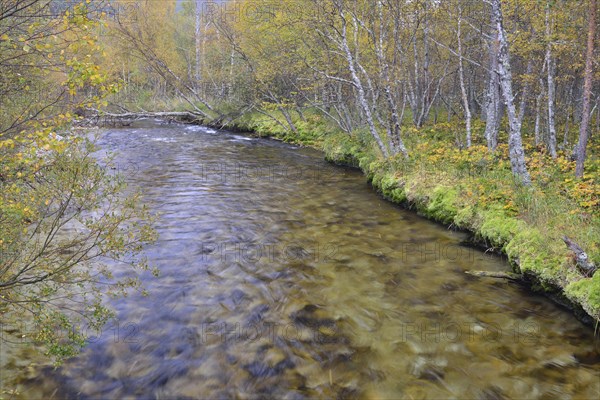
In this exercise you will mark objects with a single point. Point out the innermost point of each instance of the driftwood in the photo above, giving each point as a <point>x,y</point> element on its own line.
<point>584,265</point>
<point>511,276</point>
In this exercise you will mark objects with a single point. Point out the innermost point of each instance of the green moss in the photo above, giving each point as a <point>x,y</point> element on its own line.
<point>341,149</point>
<point>376,182</point>
<point>466,218</point>
<point>528,246</point>
<point>398,195</point>
<point>586,292</point>
<point>389,182</point>
<point>443,204</point>
<point>499,229</point>
<point>389,186</point>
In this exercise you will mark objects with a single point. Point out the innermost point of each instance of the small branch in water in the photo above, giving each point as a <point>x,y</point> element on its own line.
<point>511,276</point>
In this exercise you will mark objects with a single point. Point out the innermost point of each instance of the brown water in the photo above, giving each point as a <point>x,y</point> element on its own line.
<point>283,276</point>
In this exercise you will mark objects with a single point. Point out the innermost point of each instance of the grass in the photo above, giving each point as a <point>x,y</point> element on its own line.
<point>473,189</point>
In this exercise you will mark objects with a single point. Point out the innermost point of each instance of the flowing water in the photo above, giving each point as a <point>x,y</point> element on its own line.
<point>283,276</point>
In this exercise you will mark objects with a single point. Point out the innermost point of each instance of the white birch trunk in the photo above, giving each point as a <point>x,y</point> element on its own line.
<point>360,89</point>
<point>551,88</point>
<point>394,138</point>
<point>463,90</point>
<point>198,40</point>
<point>492,113</point>
<point>515,144</point>
<point>538,106</point>
<point>587,91</point>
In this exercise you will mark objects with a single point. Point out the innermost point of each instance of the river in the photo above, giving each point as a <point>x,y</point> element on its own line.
<point>284,276</point>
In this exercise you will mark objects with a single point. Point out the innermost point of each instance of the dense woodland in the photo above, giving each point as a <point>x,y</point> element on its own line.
<point>385,66</point>
<point>521,67</point>
<point>488,86</point>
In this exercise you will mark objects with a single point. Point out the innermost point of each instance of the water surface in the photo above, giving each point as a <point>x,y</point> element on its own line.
<point>283,276</point>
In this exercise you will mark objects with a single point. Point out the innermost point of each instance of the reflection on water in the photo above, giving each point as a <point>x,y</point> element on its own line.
<point>283,276</point>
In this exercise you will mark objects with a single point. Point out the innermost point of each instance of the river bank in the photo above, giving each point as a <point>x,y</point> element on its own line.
<point>473,190</point>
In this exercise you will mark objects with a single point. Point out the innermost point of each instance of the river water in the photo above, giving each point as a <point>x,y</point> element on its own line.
<point>283,276</point>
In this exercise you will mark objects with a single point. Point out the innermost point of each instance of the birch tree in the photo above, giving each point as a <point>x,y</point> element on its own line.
<point>362,99</point>
<point>587,89</point>
<point>493,104</point>
<point>551,68</point>
<point>461,75</point>
<point>515,144</point>
<point>198,39</point>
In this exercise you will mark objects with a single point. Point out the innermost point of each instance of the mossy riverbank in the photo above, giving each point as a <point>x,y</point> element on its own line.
<point>473,190</point>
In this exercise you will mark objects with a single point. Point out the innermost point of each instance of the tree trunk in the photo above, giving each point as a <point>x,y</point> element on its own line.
<point>597,115</point>
<point>551,88</point>
<point>461,76</point>
<point>362,99</point>
<point>288,119</point>
<point>587,90</point>
<point>525,95</point>
<point>426,99</point>
<point>568,117</point>
<point>492,113</point>
<point>515,145</point>
<point>394,138</point>
<point>230,83</point>
<point>538,108</point>
<point>198,39</point>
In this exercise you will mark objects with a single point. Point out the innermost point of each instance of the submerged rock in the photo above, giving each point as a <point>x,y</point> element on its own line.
<point>260,369</point>
<point>588,358</point>
<point>431,370</point>
<point>491,393</point>
<point>313,317</point>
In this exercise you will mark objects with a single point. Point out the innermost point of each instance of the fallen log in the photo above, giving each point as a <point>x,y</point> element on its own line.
<point>187,116</point>
<point>584,265</point>
<point>511,276</point>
